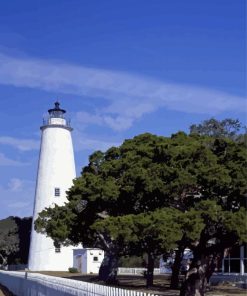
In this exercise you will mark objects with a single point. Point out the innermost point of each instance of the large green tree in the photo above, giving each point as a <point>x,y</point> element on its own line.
<point>143,175</point>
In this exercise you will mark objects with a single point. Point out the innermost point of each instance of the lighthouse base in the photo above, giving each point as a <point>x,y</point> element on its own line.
<point>44,256</point>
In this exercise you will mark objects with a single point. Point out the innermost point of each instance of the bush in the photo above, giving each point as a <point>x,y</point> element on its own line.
<point>136,261</point>
<point>73,270</point>
<point>131,261</point>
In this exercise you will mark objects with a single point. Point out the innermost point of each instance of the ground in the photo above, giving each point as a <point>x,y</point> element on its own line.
<point>4,291</point>
<point>161,284</point>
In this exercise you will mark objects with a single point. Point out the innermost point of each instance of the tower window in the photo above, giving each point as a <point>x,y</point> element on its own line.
<point>57,191</point>
<point>95,259</point>
<point>57,247</point>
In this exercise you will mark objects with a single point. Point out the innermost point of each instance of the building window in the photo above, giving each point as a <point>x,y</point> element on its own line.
<point>57,250</point>
<point>95,259</point>
<point>57,191</point>
<point>236,261</point>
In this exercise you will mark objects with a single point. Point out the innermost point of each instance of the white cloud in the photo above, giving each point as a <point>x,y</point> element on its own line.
<point>5,161</point>
<point>83,142</point>
<point>82,119</point>
<point>117,123</point>
<point>129,97</point>
<point>21,144</point>
<point>15,184</point>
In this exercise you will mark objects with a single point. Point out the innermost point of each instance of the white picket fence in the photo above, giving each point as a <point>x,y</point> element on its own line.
<point>34,284</point>
<point>135,271</point>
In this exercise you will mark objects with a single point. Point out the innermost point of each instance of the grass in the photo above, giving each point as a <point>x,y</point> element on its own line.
<point>161,284</point>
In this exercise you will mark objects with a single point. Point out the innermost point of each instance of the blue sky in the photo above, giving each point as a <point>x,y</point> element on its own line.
<point>119,68</point>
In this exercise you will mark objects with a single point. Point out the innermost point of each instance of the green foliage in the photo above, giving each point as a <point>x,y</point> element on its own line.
<point>219,222</point>
<point>73,270</point>
<point>14,239</point>
<point>152,193</point>
<point>143,233</point>
<point>191,224</point>
<point>132,261</point>
<point>236,222</point>
<point>9,240</point>
<point>227,128</point>
<point>137,261</point>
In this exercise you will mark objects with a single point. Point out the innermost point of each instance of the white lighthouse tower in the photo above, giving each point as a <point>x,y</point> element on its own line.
<point>56,171</point>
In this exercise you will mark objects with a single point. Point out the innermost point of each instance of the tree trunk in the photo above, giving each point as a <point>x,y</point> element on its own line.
<point>213,262</point>
<point>176,267</point>
<point>150,271</point>
<point>108,268</point>
<point>198,276</point>
<point>4,260</point>
<point>194,284</point>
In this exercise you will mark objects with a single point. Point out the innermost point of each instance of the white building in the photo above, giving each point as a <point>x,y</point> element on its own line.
<point>56,170</point>
<point>88,260</point>
<point>233,263</point>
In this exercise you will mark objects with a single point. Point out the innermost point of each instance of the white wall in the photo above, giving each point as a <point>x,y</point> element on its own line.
<point>42,285</point>
<point>92,265</point>
<point>84,260</point>
<point>56,169</point>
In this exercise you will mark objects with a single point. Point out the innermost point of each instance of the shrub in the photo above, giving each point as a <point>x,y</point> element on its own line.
<point>73,270</point>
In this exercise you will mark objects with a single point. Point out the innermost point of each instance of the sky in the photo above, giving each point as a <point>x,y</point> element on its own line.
<point>119,68</point>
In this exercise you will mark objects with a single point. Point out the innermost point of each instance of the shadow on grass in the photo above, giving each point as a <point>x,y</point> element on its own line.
<point>161,284</point>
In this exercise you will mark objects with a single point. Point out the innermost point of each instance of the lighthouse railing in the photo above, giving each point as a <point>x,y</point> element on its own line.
<point>56,121</point>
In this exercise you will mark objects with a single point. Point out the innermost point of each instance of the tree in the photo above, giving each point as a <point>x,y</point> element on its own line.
<point>227,128</point>
<point>143,175</point>
<point>152,233</point>
<point>14,240</point>
<point>222,229</point>
<point>222,181</point>
<point>9,241</point>
<point>24,226</point>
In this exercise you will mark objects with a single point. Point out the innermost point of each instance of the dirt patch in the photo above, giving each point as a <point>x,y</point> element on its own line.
<point>5,292</point>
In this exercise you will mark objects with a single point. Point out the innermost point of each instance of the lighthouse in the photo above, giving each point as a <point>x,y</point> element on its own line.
<point>56,170</point>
